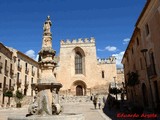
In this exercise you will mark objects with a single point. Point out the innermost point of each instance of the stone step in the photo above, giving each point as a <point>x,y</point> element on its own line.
<point>27,100</point>
<point>73,99</point>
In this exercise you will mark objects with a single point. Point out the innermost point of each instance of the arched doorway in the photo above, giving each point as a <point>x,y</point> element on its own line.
<point>145,96</point>
<point>79,90</point>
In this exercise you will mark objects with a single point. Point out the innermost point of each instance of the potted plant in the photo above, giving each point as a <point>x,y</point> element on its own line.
<point>18,98</point>
<point>8,93</point>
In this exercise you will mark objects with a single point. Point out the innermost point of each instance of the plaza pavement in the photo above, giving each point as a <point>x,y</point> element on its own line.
<point>86,108</point>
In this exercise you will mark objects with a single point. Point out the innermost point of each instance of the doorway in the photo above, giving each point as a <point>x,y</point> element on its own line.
<point>79,90</point>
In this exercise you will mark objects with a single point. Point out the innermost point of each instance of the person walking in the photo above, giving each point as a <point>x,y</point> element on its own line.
<point>99,103</point>
<point>95,101</point>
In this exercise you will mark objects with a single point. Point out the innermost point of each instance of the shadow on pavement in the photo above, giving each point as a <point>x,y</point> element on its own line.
<point>121,110</point>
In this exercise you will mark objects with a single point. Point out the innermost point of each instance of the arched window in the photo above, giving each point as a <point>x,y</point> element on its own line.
<point>78,63</point>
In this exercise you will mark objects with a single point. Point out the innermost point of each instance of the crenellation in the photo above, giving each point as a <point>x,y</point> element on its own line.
<point>92,39</point>
<point>110,60</point>
<point>86,40</point>
<point>74,41</point>
<point>68,41</point>
<point>78,41</point>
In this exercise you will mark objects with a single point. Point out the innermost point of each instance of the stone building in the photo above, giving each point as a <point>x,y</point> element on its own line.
<point>78,69</point>
<point>26,72</point>
<point>17,71</point>
<point>80,72</point>
<point>6,73</point>
<point>141,58</point>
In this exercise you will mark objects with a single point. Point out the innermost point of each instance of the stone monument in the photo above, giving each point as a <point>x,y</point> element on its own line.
<point>46,104</point>
<point>47,88</point>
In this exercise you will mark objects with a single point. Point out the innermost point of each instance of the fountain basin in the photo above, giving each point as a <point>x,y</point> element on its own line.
<point>64,116</point>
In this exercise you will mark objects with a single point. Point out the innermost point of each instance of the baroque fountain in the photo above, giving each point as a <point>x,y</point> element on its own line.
<point>46,103</point>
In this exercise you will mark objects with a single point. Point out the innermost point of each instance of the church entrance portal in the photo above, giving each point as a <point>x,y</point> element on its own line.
<point>79,90</point>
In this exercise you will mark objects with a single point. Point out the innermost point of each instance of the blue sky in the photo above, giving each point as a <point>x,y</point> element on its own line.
<point>111,22</point>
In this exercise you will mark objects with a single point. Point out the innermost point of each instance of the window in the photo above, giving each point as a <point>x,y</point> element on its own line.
<point>25,79</point>
<point>132,51</point>
<point>0,85</point>
<point>141,64</point>
<point>18,74</point>
<point>137,41</point>
<point>10,83</point>
<point>102,74</point>
<point>152,64</point>
<point>32,68</point>
<point>78,63</point>
<point>26,66</point>
<point>147,29</point>
<point>5,65</point>
<point>55,75</point>
<point>18,62</point>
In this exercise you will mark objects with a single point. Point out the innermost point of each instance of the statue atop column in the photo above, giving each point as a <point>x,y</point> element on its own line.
<point>47,25</point>
<point>47,35</point>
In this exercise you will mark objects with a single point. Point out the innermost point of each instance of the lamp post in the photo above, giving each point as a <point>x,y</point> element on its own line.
<point>144,52</point>
<point>115,86</point>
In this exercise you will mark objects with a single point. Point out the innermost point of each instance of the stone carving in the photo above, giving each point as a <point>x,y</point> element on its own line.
<point>47,25</point>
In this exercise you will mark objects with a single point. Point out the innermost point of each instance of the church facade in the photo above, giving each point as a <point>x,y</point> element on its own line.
<point>79,70</point>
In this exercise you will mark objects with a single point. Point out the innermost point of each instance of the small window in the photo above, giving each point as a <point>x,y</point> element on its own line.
<point>18,75</point>
<point>0,85</point>
<point>137,41</point>
<point>55,75</point>
<point>132,51</point>
<point>26,66</point>
<point>141,64</point>
<point>147,29</point>
<point>25,79</point>
<point>32,68</point>
<point>102,74</point>
<point>18,62</point>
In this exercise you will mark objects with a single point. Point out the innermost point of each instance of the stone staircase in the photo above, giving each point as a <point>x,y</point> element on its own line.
<point>27,100</point>
<point>63,99</point>
<point>74,99</point>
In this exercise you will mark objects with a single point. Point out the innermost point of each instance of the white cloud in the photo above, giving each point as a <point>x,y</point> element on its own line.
<point>119,58</point>
<point>111,48</point>
<point>126,40</point>
<point>32,55</point>
<point>108,48</point>
<point>100,50</point>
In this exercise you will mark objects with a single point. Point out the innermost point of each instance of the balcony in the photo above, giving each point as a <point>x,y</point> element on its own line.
<point>33,73</point>
<point>6,71</point>
<point>19,67</point>
<point>11,73</point>
<point>19,83</point>
<point>1,65</point>
<point>26,84</point>
<point>151,71</point>
<point>5,88</point>
<point>27,70</point>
